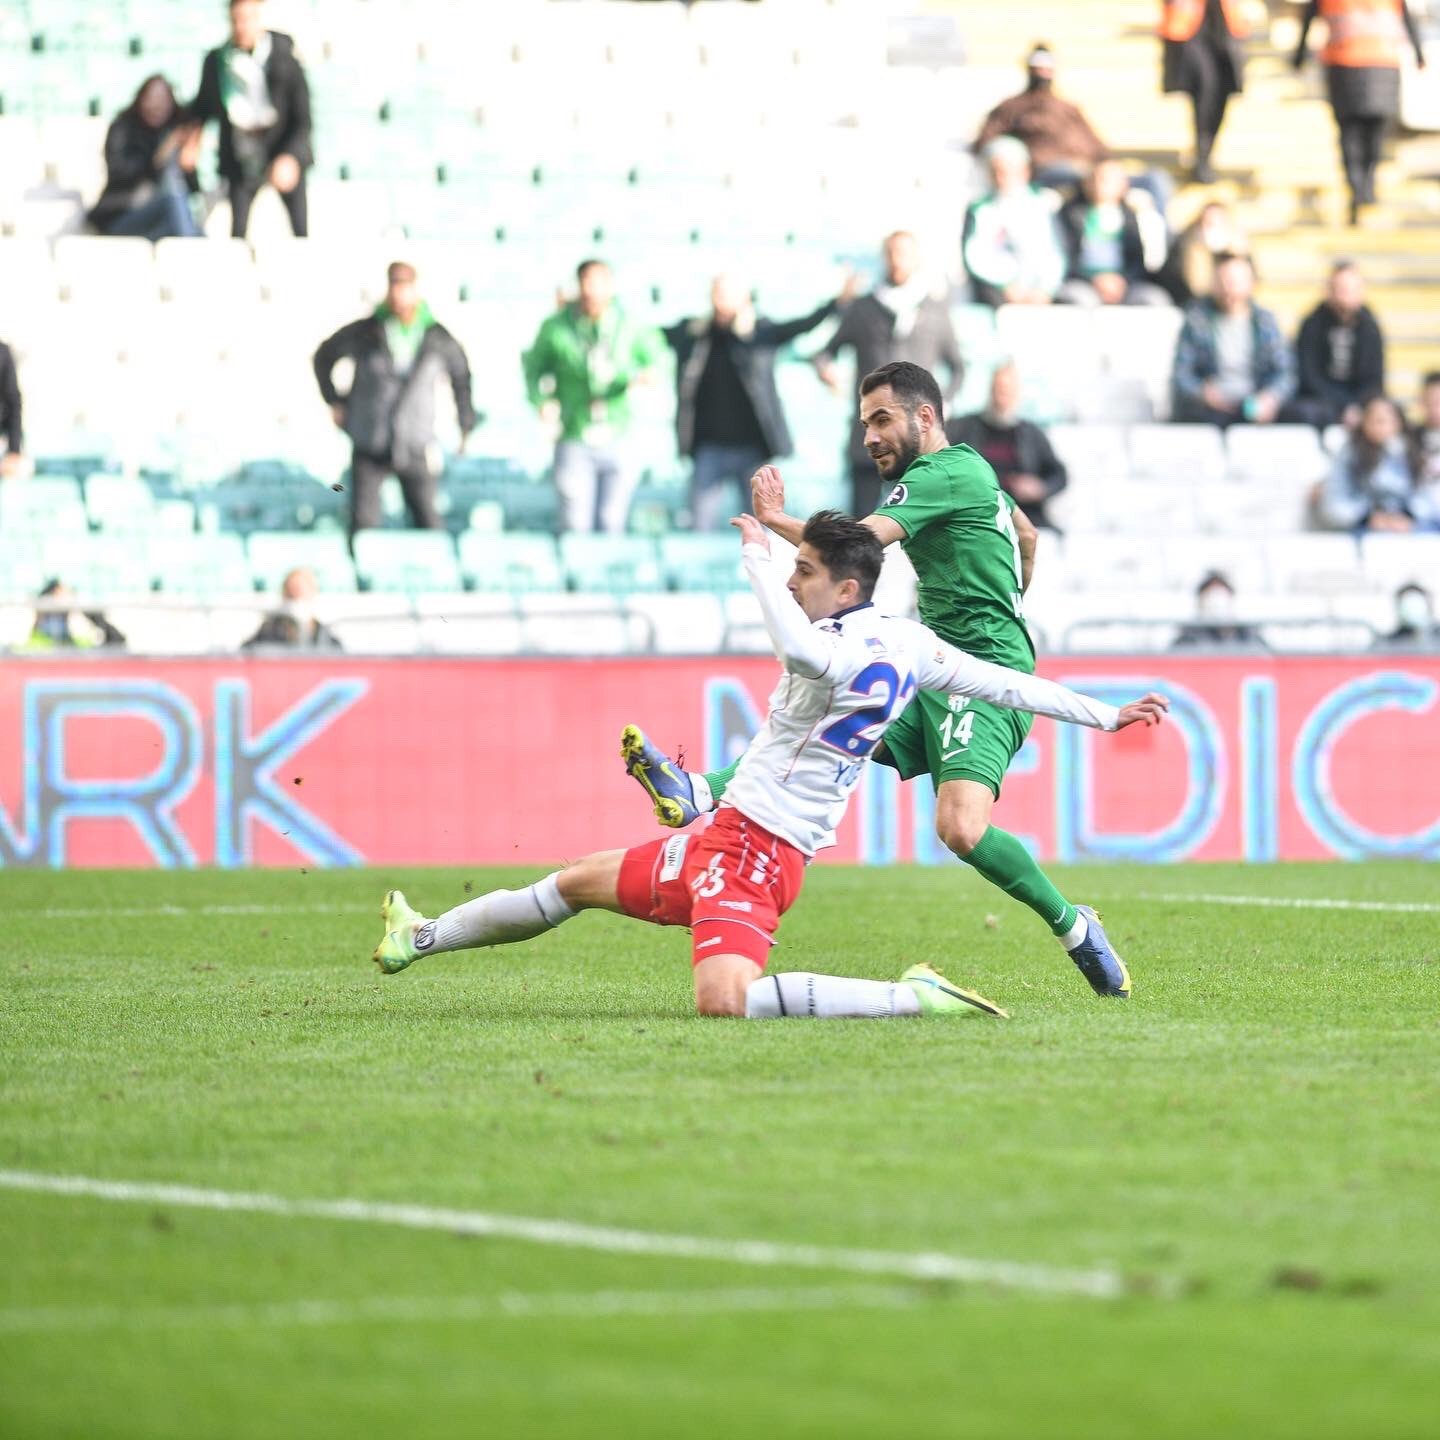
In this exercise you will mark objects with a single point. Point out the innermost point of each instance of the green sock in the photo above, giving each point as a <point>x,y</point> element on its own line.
<point>717,780</point>
<point>1005,862</point>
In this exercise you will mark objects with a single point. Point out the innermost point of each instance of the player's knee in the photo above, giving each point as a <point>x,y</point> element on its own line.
<point>961,833</point>
<point>589,883</point>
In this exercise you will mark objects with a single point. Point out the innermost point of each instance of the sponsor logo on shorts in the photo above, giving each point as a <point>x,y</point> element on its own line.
<point>898,496</point>
<point>672,857</point>
<point>425,936</point>
<point>735,905</point>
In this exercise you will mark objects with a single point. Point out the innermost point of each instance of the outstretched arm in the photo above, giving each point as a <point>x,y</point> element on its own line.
<point>799,646</point>
<point>952,672</point>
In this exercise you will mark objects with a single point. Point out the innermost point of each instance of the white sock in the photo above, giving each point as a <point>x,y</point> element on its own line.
<point>1076,933</point>
<point>498,918</point>
<point>700,789</point>
<point>827,997</point>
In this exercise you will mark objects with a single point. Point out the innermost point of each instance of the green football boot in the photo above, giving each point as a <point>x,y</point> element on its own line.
<point>938,996</point>
<point>396,949</point>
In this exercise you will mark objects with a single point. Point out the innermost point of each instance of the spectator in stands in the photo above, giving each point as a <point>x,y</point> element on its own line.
<point>12,431</point>
<point>1189,270</point>
<point>1371,485</point>
<point>1011,242</point>
<point>1426,443</point>
<point>146,189</point>
<point>1061,142</point>
<point>400,353</point>
<point>579,372</point>
<point>1104,249</point>
<point>1214,623</point>
<point>1340,354</point>
<point>1231,361</point>
<point>1019,450</point>
<point>1415,623</point>
<point>1363,50</point>
<point>900,319</point>
<point>728,413</point>
<point>1204,59</point>
<point>58,628</point>
<point>295,623</point>
<point>254,86</point>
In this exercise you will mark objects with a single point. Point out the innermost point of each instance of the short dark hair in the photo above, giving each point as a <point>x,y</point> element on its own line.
<point>912,385</point>
<point>1224,257</point>
<point>399,269</point>
<point>1432,378</point>
<point>590,264</point>
<point>847,549</point>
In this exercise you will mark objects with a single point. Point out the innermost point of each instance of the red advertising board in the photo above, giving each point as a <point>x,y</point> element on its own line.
<point>314,762</point>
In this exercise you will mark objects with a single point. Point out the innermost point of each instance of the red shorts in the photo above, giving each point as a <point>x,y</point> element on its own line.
<point>730,884</point>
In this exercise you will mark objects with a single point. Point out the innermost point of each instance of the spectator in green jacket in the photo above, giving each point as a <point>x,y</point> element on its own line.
<point>579,373</point>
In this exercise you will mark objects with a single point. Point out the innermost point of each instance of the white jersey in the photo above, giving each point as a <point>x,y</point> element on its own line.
<point>846,679</point>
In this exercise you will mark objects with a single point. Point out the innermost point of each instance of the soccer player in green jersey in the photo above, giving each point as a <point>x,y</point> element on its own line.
<point>972,553</point>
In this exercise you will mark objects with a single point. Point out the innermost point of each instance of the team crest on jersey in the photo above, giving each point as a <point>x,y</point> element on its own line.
<point>898,496</point>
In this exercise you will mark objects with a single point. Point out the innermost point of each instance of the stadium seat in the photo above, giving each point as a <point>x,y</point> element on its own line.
<point>1225,507</point>
<point>1134,621</point>
<point>1115,562</point>
<point>202,565</point>
<point>1289,455</point>
<point>105,270</point>
<point>41,505</point>
<point>99,567</point>
<point>1098,451</point>
<point>1188,559</point>
<point>274,554</point>
<point>383,623</point>
<point>610,562</point>
<point>691,624</point>
<point>1394,560</point>
<point>22,567</point>
<point>510,562</point>
<point>119,503</point>
<point>1177,452</point>
<point>702,562</point>
<point>464,624</point>
<point>1315,565</point>
<point>406,561</point>
<point>584,624</point>
<point>745,632</point>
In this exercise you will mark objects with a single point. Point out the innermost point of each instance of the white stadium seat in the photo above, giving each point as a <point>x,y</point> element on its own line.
<point>1177,452</point>
<point>1395,560</point>
<point>1115,562</point>
<point>1316,565</point>
<point>1287,455</point>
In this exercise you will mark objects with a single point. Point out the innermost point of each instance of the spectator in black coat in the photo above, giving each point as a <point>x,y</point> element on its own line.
<point>146,190</point>
<point>1340,354</point>
<point>900,319</point>
<point>1415,625</point>
<point>12,459</point>
<point>1105,255</point>
<point>728,416</point>
<point>294,624</point>
<point>254,86</point>
<point>400,353</point>
<point>1020,452</point>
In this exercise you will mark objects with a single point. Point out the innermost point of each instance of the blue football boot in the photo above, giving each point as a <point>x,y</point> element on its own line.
<point>1097,961</point>
<point>667,785</point>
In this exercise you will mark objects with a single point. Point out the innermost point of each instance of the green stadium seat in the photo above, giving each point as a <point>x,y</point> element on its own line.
<point>274,554</point>
<point>702,562</point>
<point>200,564</point>
<point>42,505</point>
<point>99,567</point>
<point>610,562</point>
<point>406,561</point>
<point>22,568</point>
<point>513,561</point>
<point>119,503</point>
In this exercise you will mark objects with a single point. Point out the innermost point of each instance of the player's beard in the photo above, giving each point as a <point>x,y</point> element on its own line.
<point>905,456</point>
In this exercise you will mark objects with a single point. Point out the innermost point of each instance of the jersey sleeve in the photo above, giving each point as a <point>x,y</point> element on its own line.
<point>800,647</point>
<point>943,668</point>
<point>921,497</point>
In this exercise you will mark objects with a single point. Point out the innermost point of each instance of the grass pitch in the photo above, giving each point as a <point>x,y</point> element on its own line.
<point>1252,1145</point>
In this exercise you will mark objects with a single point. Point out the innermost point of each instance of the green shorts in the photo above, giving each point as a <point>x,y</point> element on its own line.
<point>955,740</point>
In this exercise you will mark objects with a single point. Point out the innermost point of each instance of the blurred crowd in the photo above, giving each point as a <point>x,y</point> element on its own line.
<point>1060,220</point>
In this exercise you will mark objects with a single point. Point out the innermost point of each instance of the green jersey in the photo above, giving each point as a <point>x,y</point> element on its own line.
<point>962,542</point>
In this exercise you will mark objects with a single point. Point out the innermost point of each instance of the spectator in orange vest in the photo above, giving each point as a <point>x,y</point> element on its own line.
<point>1362,73</point>
<point>1204,60</point>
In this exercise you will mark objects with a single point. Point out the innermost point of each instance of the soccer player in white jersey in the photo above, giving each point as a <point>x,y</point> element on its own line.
<point>849,671</point>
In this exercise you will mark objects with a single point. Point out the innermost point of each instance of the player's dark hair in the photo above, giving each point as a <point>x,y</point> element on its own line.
<point>585,265</point>
<point>1432,378</point>
<point>912,385</point>
<point>847,549</point>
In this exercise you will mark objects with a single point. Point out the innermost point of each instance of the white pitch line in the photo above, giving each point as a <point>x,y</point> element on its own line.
<point>1099,1284</point>
<point>507,1305</point>
<point>162,912</point>
<point>1285,902</point>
